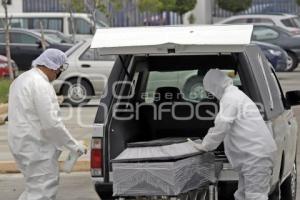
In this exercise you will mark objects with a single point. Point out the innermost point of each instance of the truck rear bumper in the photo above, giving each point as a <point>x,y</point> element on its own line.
<point>104,190</point>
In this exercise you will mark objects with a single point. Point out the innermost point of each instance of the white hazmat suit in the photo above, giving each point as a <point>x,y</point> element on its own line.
<point>248,142</point>
<point>36,132</point>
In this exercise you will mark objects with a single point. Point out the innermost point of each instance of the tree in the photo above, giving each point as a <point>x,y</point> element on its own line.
<point>151,6</point>
<point>234,6</point>
<point>73,6</point>
<point>183,6</point>
<point>7,47</point>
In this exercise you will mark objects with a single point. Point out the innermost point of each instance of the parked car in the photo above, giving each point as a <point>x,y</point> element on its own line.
<point>86,76</point>
<point>58,36</point>
<point>26,45</point>
<point>83,23</point>
<point>269,8</point>
<point>128,113</point>
<point>4,69</point>
<point>280,37</point>
<point>288,22</point>
<point>275,55</point>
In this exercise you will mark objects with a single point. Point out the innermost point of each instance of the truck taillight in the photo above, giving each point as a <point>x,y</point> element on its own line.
<point>96,157</point>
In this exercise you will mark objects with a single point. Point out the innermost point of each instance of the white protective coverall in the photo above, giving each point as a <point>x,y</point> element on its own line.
<point>36,132</point>
<point>248,142</point>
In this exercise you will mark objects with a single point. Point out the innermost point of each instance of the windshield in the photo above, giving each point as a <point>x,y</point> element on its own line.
<point>47,37</point>
<point>100,24</point>
<point>292,22</point>
<point>296,21</point>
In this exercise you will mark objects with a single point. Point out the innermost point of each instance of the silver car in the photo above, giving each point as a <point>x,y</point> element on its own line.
<point>86,76</point>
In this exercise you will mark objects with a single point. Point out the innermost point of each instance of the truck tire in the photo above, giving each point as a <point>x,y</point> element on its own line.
<point>289,186</point>
<point>77,92</point>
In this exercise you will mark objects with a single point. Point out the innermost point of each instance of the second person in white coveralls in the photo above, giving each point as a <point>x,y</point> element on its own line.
<point>36,133</point>
<point>248,143</point>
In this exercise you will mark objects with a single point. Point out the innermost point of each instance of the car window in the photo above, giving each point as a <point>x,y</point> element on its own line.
<point>23,38</point>
<point>2,23</point>
<point>19,23</point>
<point>47,23</point>
<point>55,24</point>
<point>263,21</point>
<point>54,37</point>
<point>264,33</point>
<point>291,22</point>
<point>189,82</point>
<point>94,55</point>
<point>2,38</point>
<point>81,26</point>
<point>288,22</point>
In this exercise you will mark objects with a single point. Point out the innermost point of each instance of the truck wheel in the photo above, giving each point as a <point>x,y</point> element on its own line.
<point>289,186</point>
<point>292,62</point>
<point>77,92</point>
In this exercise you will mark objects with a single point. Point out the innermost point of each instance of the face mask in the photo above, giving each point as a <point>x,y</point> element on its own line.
<point>58,74</point>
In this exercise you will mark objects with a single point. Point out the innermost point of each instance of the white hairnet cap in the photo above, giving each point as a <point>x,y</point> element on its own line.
<point>215,82</point>
<point>51,58</point>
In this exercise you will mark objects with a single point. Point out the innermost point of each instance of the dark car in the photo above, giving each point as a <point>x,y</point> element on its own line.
<point>26,45</point>
<point>276,56</point>
<point>280,37</point>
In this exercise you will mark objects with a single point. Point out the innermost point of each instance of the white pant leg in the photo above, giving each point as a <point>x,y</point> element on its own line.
<point>41,178</point>
<point>240,193</point>
<point>257,183</point>
<point>23,196</point>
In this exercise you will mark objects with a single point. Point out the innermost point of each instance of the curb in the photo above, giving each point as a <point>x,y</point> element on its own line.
<point>10,166</point>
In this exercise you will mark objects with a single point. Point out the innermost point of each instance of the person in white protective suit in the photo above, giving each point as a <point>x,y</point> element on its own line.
<point>36,133</point>
<point>248,142</point>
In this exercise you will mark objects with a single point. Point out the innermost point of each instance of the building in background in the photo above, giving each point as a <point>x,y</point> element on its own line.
<point>15,6</point>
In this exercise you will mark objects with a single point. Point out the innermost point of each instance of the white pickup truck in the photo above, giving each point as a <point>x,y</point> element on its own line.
<point>161,60</point>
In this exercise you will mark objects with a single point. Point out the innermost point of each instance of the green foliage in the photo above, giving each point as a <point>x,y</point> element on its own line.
<point>168,5</point>
<point>150,5</point>
<point>234,6</point>
<point>4,88</point>
<point>74,5</point>
<point>298,2</point>
<point>180,6</point>
<point>183,6</point>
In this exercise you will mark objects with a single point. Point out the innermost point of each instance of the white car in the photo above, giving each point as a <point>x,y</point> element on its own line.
<point>86,76</point>
<point>286,21</point>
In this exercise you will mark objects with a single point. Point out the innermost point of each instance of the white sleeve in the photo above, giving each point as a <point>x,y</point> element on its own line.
<point>53,129</point>
<point>223,123</point>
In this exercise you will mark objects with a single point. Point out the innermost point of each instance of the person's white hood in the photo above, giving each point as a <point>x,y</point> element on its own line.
<point>51,58</point>
<point>215,82</point>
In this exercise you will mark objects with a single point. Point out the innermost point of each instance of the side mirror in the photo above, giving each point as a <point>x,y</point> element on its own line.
<point>293,97</point>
